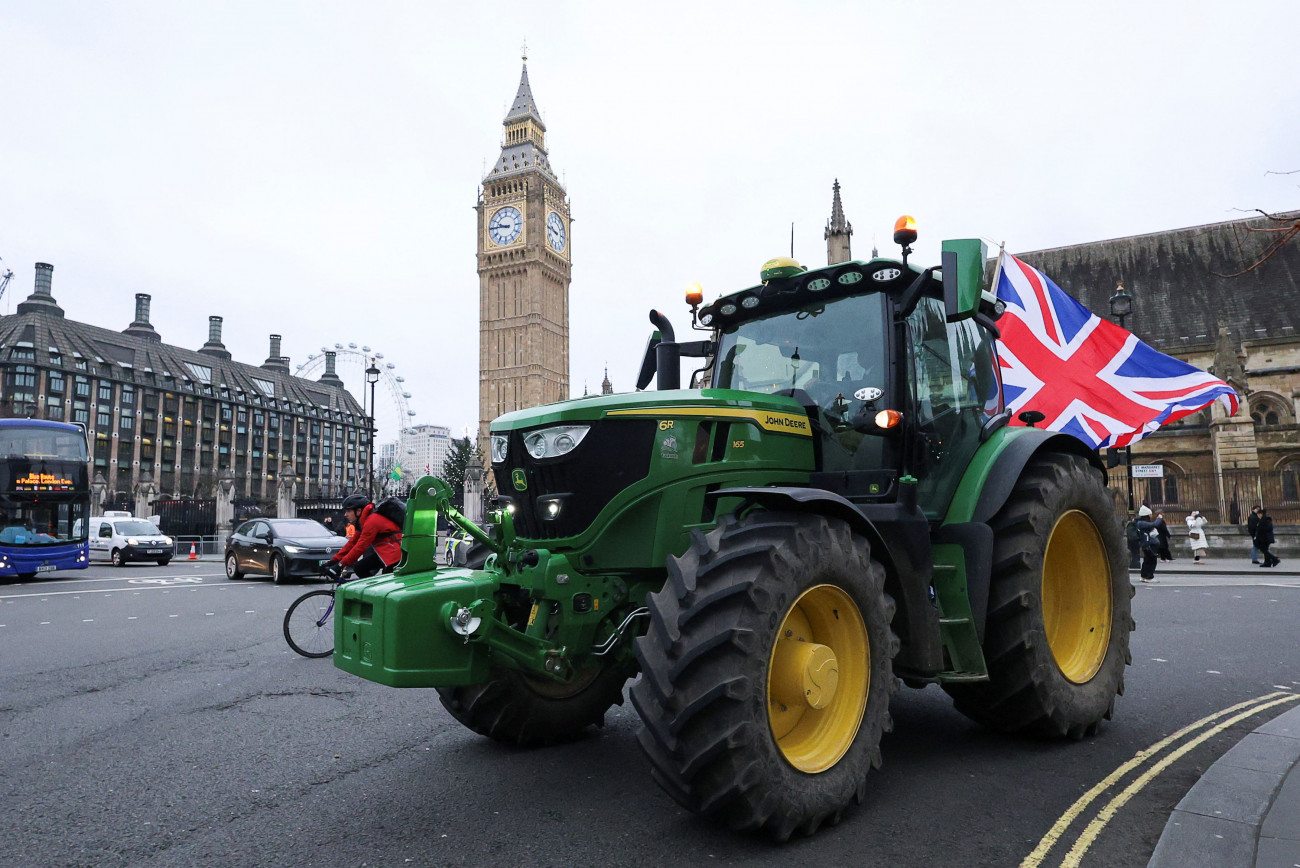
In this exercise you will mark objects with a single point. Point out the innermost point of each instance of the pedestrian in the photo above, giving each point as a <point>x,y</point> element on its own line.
<point>1134,537</point>
<point>1196,531</point>
<point>1264,539</point>
<point>1162,531</point>
<point>1252,525</point>
<point>1150,544</point>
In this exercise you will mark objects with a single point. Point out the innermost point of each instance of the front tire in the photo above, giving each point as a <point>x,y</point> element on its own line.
<point>162,562</point>
<point>1057,637</point>
<point>117,559</point>
<point>766,673</point>
<point>530,710</point>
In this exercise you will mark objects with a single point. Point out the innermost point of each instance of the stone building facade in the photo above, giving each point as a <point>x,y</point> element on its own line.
<point>175,420</point>
<point>524,267</point>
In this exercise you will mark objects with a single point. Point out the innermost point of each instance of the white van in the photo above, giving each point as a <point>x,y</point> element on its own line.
<point>121,538</point>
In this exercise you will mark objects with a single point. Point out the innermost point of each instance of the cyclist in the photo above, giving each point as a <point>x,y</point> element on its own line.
<point>375,548</point>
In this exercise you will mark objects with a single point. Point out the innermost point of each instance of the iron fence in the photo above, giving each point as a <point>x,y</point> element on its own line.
<point>1223,498</point>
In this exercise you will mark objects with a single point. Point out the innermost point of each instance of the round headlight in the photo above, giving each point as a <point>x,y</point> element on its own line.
<point>499,448</point>
<point>535,444</point>
<point>706,319</point>
<point>564,443</point>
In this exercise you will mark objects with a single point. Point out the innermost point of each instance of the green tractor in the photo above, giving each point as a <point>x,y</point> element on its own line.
<point>840,505</point>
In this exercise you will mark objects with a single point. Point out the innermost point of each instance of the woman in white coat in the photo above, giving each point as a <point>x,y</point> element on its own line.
<point>1195,528</point>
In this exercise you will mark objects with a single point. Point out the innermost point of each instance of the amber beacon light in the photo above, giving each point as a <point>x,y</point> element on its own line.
<point>904,230</point>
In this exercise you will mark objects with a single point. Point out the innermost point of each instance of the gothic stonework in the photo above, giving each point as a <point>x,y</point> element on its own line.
<point>524,267</point>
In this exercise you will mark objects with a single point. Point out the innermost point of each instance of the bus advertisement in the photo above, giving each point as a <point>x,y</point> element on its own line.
<point>44,497</point>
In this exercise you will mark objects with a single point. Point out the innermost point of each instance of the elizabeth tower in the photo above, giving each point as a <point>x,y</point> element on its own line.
<point>524,248</point>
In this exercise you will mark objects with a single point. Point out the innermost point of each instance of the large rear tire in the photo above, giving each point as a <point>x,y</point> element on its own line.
<point>1057,637</point>
<point>766,673</point>
<point>528,710</point>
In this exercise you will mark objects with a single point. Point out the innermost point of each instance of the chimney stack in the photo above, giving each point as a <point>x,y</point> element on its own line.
<point>41,300</point>
<point>140,327</point>
<point>330,378</point>
<point>275,361</point>
<point>214,346</point>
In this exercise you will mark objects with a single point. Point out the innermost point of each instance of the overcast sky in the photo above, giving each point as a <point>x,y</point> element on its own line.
<point>310,168</point>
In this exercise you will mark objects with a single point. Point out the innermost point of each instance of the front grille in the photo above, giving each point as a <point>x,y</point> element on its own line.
<point>614,454</point>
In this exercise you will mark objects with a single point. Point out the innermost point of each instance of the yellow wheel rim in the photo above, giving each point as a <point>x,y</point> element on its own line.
<point>1077,602</point>
<point>817,678</point>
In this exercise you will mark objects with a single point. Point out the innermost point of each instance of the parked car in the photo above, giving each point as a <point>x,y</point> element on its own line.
<point>455,547</point>
<point>280,548</point>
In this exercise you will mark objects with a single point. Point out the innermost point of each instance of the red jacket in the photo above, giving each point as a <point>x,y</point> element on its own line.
<point>375,531</point>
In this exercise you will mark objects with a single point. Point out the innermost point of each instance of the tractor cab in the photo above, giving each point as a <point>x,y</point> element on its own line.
<point>895,366</point>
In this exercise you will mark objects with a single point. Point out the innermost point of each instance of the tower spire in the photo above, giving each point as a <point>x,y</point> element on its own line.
<point>523,144</point>
<point>838,230</point>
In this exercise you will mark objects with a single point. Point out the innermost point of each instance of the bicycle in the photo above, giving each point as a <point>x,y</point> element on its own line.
<point>309,623</point>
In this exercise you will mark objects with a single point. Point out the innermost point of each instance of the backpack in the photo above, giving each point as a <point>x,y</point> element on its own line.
<point>1134,535</point>
<point>393,509</point>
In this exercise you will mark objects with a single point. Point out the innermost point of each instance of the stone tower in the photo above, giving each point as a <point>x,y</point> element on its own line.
<point>524,269</point>
<point>838,231</point>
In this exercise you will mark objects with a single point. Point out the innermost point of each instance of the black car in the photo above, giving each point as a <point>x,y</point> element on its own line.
<point>280,548</point>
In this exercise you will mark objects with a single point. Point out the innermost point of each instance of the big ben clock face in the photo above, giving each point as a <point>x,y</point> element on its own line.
<point>555,232</point>
<point>505,225</point>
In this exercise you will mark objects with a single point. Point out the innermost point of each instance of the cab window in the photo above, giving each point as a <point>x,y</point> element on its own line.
<point>956,390</point>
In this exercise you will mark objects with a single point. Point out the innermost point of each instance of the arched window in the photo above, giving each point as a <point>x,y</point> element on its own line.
<point>1289,471</point>
<point>1164,490</point>
<point>1268,409</point>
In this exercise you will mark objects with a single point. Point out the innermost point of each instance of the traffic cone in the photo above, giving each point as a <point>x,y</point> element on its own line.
<point>193,555</point>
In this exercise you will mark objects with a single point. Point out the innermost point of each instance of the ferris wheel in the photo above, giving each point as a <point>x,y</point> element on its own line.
<point>393,414</point>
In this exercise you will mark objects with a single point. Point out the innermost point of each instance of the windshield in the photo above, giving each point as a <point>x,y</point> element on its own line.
<point>830,350</point>
<point>135,527</point>
<point>37,443</point>
<point>301,529</point>
<point>42,523</point>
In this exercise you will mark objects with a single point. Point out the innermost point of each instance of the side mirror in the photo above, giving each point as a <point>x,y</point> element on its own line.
<point>963,277</point>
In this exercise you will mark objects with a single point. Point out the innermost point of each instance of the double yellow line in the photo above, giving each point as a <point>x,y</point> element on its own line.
<point>1234,714</point>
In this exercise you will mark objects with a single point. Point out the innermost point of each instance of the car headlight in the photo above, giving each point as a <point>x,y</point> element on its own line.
<point>166,540</point>
<point>553,442</point>
<point>500,446</point>
<point>294,550</point>
<point>132,541</point>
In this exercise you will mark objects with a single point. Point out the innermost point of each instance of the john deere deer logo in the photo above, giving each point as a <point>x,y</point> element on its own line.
<point>520,481</point>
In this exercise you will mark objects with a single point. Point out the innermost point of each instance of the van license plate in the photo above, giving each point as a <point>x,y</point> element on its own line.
<point>46,568</point>
<point>155,551</point>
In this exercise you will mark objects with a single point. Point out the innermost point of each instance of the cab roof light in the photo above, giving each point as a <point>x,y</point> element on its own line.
<point>694,295</point>
<point>905,234</point>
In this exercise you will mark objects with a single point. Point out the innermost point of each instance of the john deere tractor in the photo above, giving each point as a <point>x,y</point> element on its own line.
<point>838,504</point>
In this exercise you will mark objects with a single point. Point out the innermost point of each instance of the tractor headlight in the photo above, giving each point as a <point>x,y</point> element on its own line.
<point>554,442</point>
<point>500,446</point>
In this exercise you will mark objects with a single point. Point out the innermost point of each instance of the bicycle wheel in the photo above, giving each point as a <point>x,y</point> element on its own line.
<point>309,624</point>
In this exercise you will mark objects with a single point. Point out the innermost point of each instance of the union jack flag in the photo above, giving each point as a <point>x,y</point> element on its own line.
<point>1088,376</point>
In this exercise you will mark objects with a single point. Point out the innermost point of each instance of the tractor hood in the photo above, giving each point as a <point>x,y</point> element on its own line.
<point>768,412</point>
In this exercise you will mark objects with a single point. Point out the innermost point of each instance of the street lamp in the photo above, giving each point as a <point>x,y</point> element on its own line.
<point>372,377</point>
<point>1121,305</point>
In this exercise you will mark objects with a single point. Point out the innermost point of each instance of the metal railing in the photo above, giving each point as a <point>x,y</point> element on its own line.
<point>1223,498</point>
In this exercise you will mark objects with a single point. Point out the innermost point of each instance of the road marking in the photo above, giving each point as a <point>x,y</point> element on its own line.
<point>164,588</point>
<point>1072,813</point>
<point>1095,828</point>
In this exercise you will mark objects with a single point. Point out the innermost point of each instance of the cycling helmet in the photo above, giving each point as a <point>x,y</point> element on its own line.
<point>355,501</point>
